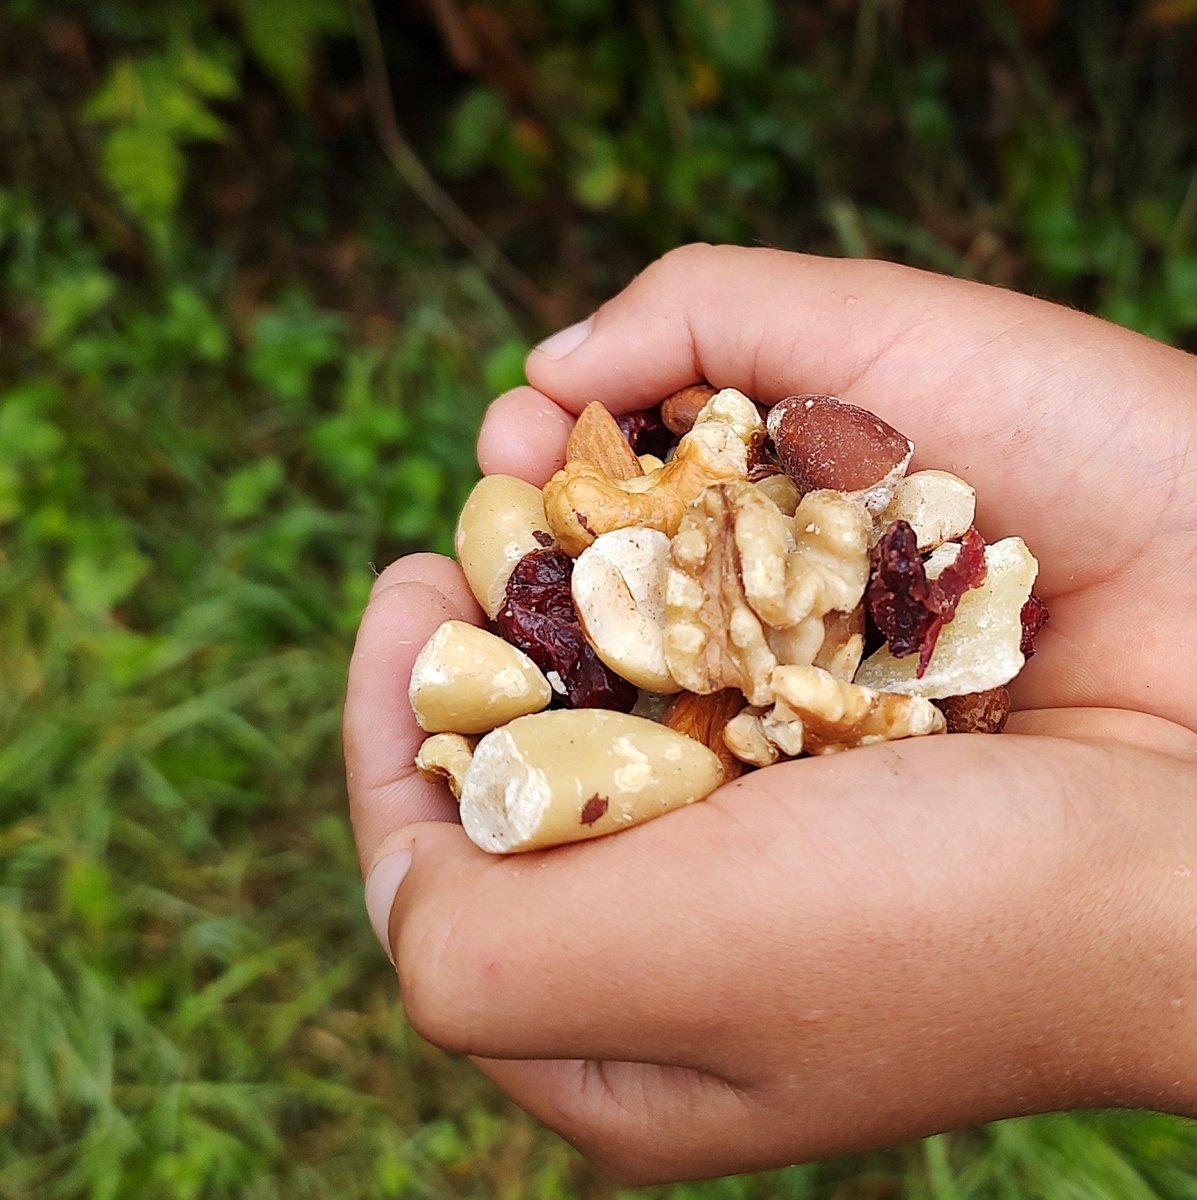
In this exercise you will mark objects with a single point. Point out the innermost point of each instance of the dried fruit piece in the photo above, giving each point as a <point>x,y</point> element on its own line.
<point>704,718</point>
<point>824,443</point>
<point>539,618</point>
<point>647,433</point>
<point>980,648</point>
<point>618,589</point>
<point>680,410</point>
<point>559,777</point>
<point>976,712</point>
<point>909,609</point>
<point>1034,616</point>
<point>596,438</point>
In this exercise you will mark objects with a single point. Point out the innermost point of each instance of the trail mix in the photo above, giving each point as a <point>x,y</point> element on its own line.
<point>704,590</point>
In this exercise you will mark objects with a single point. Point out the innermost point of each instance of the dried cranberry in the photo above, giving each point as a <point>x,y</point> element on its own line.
<point>909,609</point>
<point>538,617</point>
<point>1034,616</point>
<point>646,432</point>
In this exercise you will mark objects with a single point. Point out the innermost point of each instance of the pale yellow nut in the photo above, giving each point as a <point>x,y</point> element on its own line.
<point>444,757</point>
<point>581,502</point>
<point>980,648</point>
<point>575,774</point>
<point>618,588</point>
<point>650,463</point>
<point>745,738</point>
<point>733,408</point>
<point>497,527</point>
<point>466,680</point>
<point>782,490</point>
<point>938,506</point>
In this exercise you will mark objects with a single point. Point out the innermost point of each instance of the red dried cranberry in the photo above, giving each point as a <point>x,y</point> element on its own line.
<point>646,432</point>
<point>538,617</point>
<point>1034,616</point>
<point>909,609</point>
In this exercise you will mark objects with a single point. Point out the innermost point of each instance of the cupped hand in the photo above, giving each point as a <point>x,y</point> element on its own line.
<point>842,952</point>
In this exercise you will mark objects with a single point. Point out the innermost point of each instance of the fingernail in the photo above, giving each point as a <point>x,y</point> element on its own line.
<point>381,885</point>
<point>566,341</point>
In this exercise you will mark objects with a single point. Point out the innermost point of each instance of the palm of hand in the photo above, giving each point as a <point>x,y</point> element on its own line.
<point>818,929</point>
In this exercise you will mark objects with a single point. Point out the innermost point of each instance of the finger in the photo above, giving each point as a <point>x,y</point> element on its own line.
<point>641,1122</point>
<point>439,573</point>
<point>380,732</point>
<point>1011,392</point>
<point>524,434</point>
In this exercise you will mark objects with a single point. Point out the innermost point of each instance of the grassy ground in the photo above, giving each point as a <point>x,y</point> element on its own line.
<point>242,365</point>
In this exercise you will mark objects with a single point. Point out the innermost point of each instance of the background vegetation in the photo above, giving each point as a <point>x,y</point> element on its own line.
<point>247,341</point>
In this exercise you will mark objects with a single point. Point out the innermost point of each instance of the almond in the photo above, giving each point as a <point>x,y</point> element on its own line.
<point>597,439</point>
<point>704,719</point>
<point>976,712</point>
<point>680,411</point>
<point>824,443</point>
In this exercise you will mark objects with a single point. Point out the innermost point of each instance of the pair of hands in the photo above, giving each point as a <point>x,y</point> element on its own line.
<point>839,953</point>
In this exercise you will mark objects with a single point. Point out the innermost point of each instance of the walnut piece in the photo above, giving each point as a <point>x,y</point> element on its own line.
<point>745,738</point>
<point>581,501</point>
<point>748,588</point>
<point>815,713</point>
<point>704,718</point>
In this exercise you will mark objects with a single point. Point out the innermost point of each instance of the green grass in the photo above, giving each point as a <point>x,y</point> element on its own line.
<point>214,427</point>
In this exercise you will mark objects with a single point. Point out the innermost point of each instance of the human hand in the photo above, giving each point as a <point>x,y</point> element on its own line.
<point>843,952</point>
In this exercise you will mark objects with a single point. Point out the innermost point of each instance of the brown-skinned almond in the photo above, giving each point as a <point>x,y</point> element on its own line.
<point>822,442</point>
<point>597,438</point>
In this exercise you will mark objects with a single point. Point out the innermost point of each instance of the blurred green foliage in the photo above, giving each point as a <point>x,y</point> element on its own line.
<point>242,363</point>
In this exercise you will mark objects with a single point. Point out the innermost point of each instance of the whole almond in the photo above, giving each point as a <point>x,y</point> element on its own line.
<point>680,410</point>
<point>976,712</point>
<point>704,718</point>
<point>824,443</point>
<point>597,438</point>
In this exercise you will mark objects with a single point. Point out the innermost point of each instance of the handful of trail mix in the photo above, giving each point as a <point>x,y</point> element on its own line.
<point>703,591</point>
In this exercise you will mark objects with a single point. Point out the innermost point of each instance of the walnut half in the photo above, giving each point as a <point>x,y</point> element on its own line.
<point>748,588</point>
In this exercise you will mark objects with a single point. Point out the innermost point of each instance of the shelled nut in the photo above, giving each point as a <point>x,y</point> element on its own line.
<point>575,774</point>
<point>444,758</point>
<point>466,680</point>
<point>497,527</point>
<point>937,505</point>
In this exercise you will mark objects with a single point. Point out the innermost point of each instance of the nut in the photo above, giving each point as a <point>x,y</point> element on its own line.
<point>466,680</point>
<point>733,408</point>
<point>938,506</point>
<point>650,463</point>
<point>497,527</point>
<point>782,490</point>
<point>748,588</point>
<point>704,718</point>
<point>570,775</point>
<point>582,502</point>
<point>824,443</point>
<point>680,410</point>
<point>444,757</point>
<point>745,738</point>
<point>815,713</point>
<point>597,438</point>
<point>978,712</point>
<point>843,643</point>
<point>979,648</point>
<point>618,589</point>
